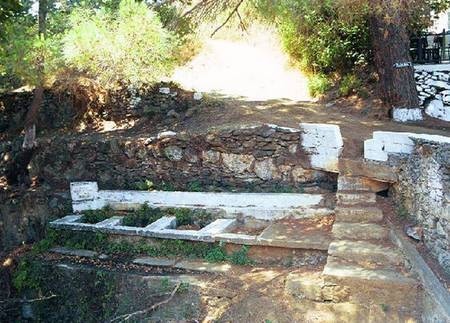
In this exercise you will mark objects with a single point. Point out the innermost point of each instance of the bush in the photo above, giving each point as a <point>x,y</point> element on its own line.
<point>22,52</point>
<point>143,216</point>
<point>128,47</point>
<point>323,36</point>
<point>96,216</point>
<point>318,84</point>
<point>350,84</point>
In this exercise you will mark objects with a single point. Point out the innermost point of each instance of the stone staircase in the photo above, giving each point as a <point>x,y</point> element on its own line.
<point>361,259</point>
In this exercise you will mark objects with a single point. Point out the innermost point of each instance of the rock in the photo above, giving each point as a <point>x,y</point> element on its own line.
<point>414,232</point>
<point>237,163</point>
<point>190,112</point>
<point>406,114</point>
<point>439,84</point>
<point>437,109</point>
<point>164,90</point>
<point>166,134</point>
<point>211,156</point>
<point>173,114</point>
<point>173,153</point>
<point>197,96</point>
<point>265,169</point>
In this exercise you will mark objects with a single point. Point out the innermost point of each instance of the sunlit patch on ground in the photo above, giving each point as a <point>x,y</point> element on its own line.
<point>254,67</point>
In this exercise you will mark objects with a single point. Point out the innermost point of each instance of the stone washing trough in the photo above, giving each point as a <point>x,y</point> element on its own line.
<point>263,206</point>
<point>220,230</point>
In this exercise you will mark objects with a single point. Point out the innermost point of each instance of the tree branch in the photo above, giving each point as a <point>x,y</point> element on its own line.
<point>228,18</point>
<point>126,317</point>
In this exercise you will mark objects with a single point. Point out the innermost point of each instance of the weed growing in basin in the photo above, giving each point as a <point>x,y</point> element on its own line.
<point>143,216</point>
<point>95,216</point>
<point>197,217</point>
<point>195,186</point>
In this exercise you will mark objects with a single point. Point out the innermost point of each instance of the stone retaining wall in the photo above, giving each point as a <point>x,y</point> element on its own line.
<point>423,194</point>
<point>250,158</point>
<point>433,87</point>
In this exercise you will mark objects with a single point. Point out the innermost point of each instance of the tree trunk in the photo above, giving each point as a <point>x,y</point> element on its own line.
<point>390,42</point>
<point>29,140</point>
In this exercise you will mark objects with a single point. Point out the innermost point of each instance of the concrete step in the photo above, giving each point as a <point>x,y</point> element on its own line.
<point>355,198</point>
<point>360,214</point>
<point>365,253</point>
<point>357,183</point>
<point>359,231</point>
<point>378,286</point>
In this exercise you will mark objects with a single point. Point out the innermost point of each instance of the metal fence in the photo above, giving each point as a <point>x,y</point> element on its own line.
<point>430,48</point>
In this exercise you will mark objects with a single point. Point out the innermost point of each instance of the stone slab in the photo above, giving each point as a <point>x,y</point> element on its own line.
<point>356,214</point>
<point>354,183</point>
<point>219,226</point>
<point>203,266</point>
<point>359,231</point>
<point>157,262</point>
<point>111,222</point>
<point>282,235</point>
<point>362,252</point>
<point>439,295</point>
<point>166,222</point>
<point>354,198</point>
<point>367,168</point>
<point>237,238</point>
<point>337,271</point>
<point>74,252</point>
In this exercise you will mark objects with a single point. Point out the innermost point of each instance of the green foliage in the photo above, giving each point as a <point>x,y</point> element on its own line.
<point>216,254</point>
<point>129,46</point>
<point>31,59</point>
<point>185,216</point>
<point>28,275</point>
<point>240,257</point>
<point>318,84</point>
<point>320,35</point>
<point>146,185</point>
<point>195,186</point>
<point>350,84</point>
<point>142,216</point>
<point>95,216</point>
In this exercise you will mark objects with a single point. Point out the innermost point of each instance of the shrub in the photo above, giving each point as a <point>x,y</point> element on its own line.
<point>129,46</point>
<point>323,36</point>
<point>350,84</point>
<point>26,57</point>
<point>318,84</point>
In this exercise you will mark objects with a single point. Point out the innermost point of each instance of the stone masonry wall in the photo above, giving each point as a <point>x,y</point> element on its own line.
<point>423,192</point>
<point>255,158</point>
<point>434,92</point>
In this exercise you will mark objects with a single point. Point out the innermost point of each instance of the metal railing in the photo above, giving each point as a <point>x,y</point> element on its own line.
<point>430,48</point>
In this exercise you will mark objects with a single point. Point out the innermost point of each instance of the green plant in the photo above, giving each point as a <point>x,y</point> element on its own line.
<point>329,37</point>
<point>142,216</point>
<point>384,307</point>
<point>240,257</point>
<point>195,186</point>
<point>95,216</point>
<point>318,84</point>
<point>28,275</point>
<point>128,46</point>
<point>146,185</point>
<point>350,84</point>
<point>185,216</point>
<point>216,254</point>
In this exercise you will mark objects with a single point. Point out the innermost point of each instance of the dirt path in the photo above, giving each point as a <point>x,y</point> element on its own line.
<point>254,67</point>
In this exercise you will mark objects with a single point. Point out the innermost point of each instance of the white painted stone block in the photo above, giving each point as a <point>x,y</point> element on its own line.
<point>164,90</point>
<point>437,109</point>
<point>83,191</point>
<point>407,115</point>
<point>374,150</point>
<point>324,144</point>
<point>219,226</point>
